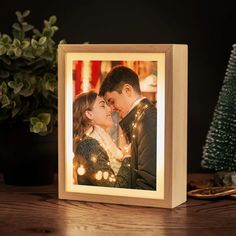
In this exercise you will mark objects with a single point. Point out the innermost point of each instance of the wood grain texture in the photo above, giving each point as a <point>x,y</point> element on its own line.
<point>179,123</point>
<point>33,211</point>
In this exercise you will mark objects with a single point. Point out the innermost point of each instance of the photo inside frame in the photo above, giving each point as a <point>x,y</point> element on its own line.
<point>87,75</point>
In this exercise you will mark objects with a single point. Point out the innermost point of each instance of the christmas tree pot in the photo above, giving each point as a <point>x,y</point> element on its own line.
<point>29,158</point>
<point>225,178</point>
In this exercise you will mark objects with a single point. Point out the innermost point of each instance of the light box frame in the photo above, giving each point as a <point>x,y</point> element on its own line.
<point>172,162</point>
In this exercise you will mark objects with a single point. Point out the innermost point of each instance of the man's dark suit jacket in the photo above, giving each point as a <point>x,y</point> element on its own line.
<point>140,126</point>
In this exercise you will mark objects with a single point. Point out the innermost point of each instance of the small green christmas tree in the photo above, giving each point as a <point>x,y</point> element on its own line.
<point>219,152</point>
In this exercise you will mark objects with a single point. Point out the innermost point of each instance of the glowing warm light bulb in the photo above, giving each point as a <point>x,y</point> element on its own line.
<point>105,175</point>
<point>126,148</point>
<point>81,170</point>
<point>94,159</point>
<point>98,175</point>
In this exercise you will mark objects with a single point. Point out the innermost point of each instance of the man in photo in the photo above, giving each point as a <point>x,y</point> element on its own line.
<point>121,91</point>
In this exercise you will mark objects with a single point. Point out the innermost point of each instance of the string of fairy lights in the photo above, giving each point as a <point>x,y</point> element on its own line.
<point>104,175</point>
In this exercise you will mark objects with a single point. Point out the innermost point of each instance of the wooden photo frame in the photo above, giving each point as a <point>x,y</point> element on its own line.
<point>162,75</point>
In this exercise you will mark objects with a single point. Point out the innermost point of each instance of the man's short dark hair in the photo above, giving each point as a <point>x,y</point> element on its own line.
<point>117,77</point>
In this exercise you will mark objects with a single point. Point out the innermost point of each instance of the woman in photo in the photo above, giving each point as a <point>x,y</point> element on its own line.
<point>97,160</point>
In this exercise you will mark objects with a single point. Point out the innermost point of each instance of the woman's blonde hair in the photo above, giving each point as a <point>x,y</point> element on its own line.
<point>82,103</point>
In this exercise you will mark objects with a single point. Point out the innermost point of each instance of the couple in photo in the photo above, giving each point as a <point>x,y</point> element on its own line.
<point>98,161</point>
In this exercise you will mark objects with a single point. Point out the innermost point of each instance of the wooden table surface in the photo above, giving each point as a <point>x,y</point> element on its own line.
<point>37,211</point>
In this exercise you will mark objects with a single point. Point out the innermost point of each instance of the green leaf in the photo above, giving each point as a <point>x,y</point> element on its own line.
<point>48,33</point>
<point>5,101</point>
<point>37,32</point>
<point>16,26</point>
<point>42,40</point>
<point>45,117</point>
<point>16,86</point>
<point>46,78</point>
<point>26,13</point>
<point>28,53</point>
<point>37,127</point>
<point>17,52</point>
<point>3,88</point>
<point>50,85</point>
<point>16,42</point>
<point>54,28</point>
<point>34,43</point>
<point>53,20</point>
<point>3,50</point>
<point>27,27</point>
<point>46,23</point>
<point>6,39</point>
<point>10,52</point>
<point>13,104</point>
<point>39,124</point>
<point>44,129</point>
<point>62,41</point>
<point>27,92</point>
<point>19,16</point>
<point>25,44</point>
<point>15,111</point>
<point>34,120</point>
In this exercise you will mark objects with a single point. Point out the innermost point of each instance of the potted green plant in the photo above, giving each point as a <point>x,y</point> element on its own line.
<point>28,95</point>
